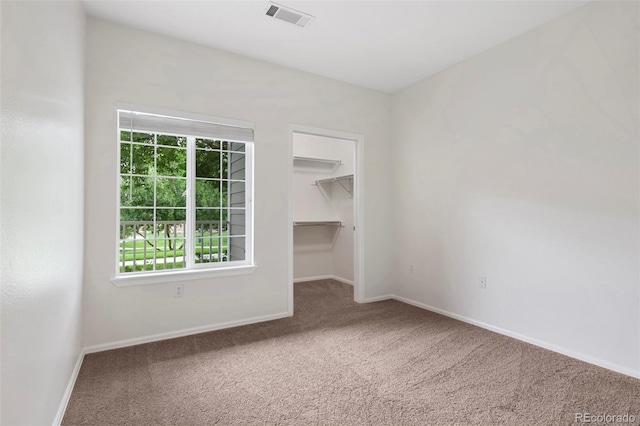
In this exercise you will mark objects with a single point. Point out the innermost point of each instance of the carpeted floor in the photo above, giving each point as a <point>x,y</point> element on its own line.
<point>339,363</point>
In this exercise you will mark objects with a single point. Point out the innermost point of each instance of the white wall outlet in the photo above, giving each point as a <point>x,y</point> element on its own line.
<point>482,282</point>
<point>411,269</point>
<point>179,290</point>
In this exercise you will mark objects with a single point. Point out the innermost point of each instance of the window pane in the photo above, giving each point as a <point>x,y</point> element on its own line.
<point>171,162</point>
<point>209,228</point>
<point>137,247</point>
<point>207,193</point>
<point>142,160</point>
<point>142,137</point>
<point>136,191</point>
<point>126,190</point>
<point>207,144</point>
<point>136,137</point>
<point>210,214</point>
<point>236,194</point>
<point>208,244</point>
<point>178,141</point>
<point>125,158</point>
<point>224,164</point>
<point>236,248</point>
<point>237,146</point>
<point>236,157</point>
<point>136,231</point>
<point>208,164</point>
<point>171,215</point>
<point>172,263</point>
<point>211,231</point>
<point>224,193</point>
<point>236,222</point>
<point>171,192</point>
<point>170,240</point>
<point>136,215</point>
<point>236,166</point>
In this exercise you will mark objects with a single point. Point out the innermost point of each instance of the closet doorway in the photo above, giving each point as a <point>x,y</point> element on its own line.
<point>325,207</point>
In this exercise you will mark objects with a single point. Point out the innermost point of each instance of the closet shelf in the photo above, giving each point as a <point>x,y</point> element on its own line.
<point>323,164</point>
<point>319,223</point>
<point>345,181</point>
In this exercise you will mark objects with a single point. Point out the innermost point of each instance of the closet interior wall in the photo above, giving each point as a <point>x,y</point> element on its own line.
<point>323,250</point>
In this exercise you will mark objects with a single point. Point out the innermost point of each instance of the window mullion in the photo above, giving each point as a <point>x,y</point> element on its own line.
<point>131,164</point>
<point>189,248</point>
<point>228,210</point>
<point>155,205</point>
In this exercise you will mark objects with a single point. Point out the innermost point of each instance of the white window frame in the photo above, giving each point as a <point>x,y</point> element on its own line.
<point>192,270</point>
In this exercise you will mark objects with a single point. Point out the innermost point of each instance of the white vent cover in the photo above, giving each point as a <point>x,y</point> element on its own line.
<point>287,14</point>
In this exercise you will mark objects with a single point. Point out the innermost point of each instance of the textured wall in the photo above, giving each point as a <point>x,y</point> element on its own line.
<point>42,205</point>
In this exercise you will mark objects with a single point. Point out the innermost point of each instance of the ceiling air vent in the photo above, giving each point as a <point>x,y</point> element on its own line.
<point>288,15</point>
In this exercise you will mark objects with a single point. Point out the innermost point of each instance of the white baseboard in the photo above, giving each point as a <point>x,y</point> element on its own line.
<point>379,298</point>
<point>67,393</point>
<point>323,277</point>
<point>182,333</point>
<point>342,280</point>
<point>554,348</point>
<point>316,278</point>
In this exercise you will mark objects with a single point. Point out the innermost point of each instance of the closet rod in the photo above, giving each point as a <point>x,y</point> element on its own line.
<point>319,223</point>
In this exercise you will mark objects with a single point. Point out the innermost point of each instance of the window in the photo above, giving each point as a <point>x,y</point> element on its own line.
<point>184,194</point>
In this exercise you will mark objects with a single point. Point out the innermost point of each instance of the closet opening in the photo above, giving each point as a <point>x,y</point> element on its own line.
<point>325,208</point>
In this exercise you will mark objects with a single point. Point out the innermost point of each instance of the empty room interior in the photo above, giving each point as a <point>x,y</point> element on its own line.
<point>320,212</point>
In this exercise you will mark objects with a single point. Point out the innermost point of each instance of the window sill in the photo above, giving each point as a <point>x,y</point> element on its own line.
<point>178,276</point>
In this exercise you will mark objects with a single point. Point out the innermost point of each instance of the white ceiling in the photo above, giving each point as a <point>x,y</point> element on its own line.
<point>383,45</point>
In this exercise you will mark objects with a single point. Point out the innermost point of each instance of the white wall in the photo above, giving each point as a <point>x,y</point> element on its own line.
<point>521,165</point>
<point>41,205</point>
<point>130,66</point>
<point>323,250</point>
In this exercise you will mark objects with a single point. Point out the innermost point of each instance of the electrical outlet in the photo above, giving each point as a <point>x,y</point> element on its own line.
<point>482,282</point>
<point>411,269</point>
<point>179,290</point>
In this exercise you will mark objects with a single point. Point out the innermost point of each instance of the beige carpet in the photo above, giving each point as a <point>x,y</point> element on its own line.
<point>339,363</point>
